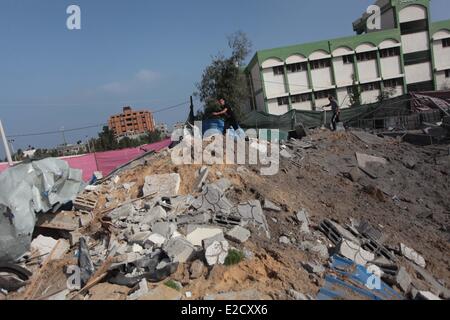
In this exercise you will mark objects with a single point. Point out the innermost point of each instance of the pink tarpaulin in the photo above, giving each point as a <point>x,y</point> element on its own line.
<point>107,161</point>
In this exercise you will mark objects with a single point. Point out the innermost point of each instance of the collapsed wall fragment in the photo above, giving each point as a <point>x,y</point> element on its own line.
<point>31,188</point>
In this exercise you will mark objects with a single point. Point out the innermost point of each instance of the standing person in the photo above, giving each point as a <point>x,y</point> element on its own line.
<point>231,119</point>
<point>335,109</point>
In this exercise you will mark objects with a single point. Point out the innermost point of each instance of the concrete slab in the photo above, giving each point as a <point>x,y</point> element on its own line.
<point>162,185</point>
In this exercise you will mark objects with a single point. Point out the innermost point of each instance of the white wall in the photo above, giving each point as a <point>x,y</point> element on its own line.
<point>418,72</point>
<point>412,13</point>
<point>390,66</point>
<point>322,102</point>
<point>321,78</point>
<point>306,105</point>
<point>274,84</point>
<point>343,72</point>
<point>397,91</point>
<point>415,42</point>
<point>298,81</point>
<point>256,78</point>
<point>274,108</point>
<point>367,70</point>
<point>441,55</point>
<point>370,96</point>
<point>441,81</point>
<point>343,98</point>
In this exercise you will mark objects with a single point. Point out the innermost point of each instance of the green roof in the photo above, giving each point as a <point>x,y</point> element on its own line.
<point>439,25</point>
<point>328,46</point>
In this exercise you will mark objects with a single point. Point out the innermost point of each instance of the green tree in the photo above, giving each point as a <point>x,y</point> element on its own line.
<point>224,77</point>
<point>355,94</point>
<point>106,140</point>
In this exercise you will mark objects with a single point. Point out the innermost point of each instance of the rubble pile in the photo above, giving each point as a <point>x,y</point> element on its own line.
<point>159,231</point>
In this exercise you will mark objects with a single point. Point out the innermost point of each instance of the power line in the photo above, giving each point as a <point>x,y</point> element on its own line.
<point>91,126</point>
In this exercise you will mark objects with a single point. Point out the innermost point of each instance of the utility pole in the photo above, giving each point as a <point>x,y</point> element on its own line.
<point>64,142</point>
<point>12,149</point>
<point>5,144</point>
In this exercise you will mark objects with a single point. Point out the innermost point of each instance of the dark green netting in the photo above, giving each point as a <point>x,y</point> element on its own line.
<point>311,119</point>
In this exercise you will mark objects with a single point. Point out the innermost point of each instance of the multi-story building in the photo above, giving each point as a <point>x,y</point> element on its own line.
<point>131,123</point>
<point>408,53</point>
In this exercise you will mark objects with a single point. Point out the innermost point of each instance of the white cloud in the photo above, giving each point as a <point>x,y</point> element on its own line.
<point>143,78</point>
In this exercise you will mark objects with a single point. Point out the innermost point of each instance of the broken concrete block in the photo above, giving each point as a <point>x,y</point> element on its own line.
<point>196,269</point>
<point>321,250</point>
<point>285,154</point>
<point>296,295</point>
<point>412,255</point>
<point>354,252</point>
<point>123,211</point>
<point>302,217</point>
<point>43,245</point>
<point>312,267</point>
<point>141,291</point>
<point>212,199</point>
<point>162,185</point>
<point>403,279</point>
<point>284,240</point>
<point>139,238</point>
<point>137,248</point>
<point>269,205</point>
<point>204,171</point>
<point>162,292</point>
<point>156,213</point>
<point>166,229</point>
<point>179,249</point>
<point>238,234</point>
<point>197,234</point>
<point>216,250</point>
<point>201,218</point>
<point>74,237</point>
<point>157,239</point>
<point>251,212</point>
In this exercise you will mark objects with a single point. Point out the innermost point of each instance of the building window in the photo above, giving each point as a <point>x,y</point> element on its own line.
<point>390,52</point>
<point>323,94</point>
<point>413,26</point>
<point>296,67</point>
<point>283,101</point>
<point>446,42</point>
<point>370,86</point>
<point>366,56</point>
<point>320,64</point>
<point>298,98</point>
<point>348,59</point>
<point>278,70</point>
<point>393,83</point>
<point>447,73</point>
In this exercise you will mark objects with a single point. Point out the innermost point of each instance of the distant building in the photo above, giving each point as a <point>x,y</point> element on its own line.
<point>163,128</point>
<point>71,149</point>
<point>131,123</point>
<point>409,53</point>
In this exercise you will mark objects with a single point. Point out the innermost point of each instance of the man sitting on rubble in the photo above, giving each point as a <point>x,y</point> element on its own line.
<point>335,108</point>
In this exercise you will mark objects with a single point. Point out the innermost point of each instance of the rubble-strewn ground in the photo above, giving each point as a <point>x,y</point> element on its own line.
<point>408,202</point>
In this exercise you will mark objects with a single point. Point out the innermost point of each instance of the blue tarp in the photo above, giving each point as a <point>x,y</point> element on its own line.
<point>348,281</point>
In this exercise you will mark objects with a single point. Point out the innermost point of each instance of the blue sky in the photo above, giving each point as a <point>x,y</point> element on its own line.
<point>145,53</point>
